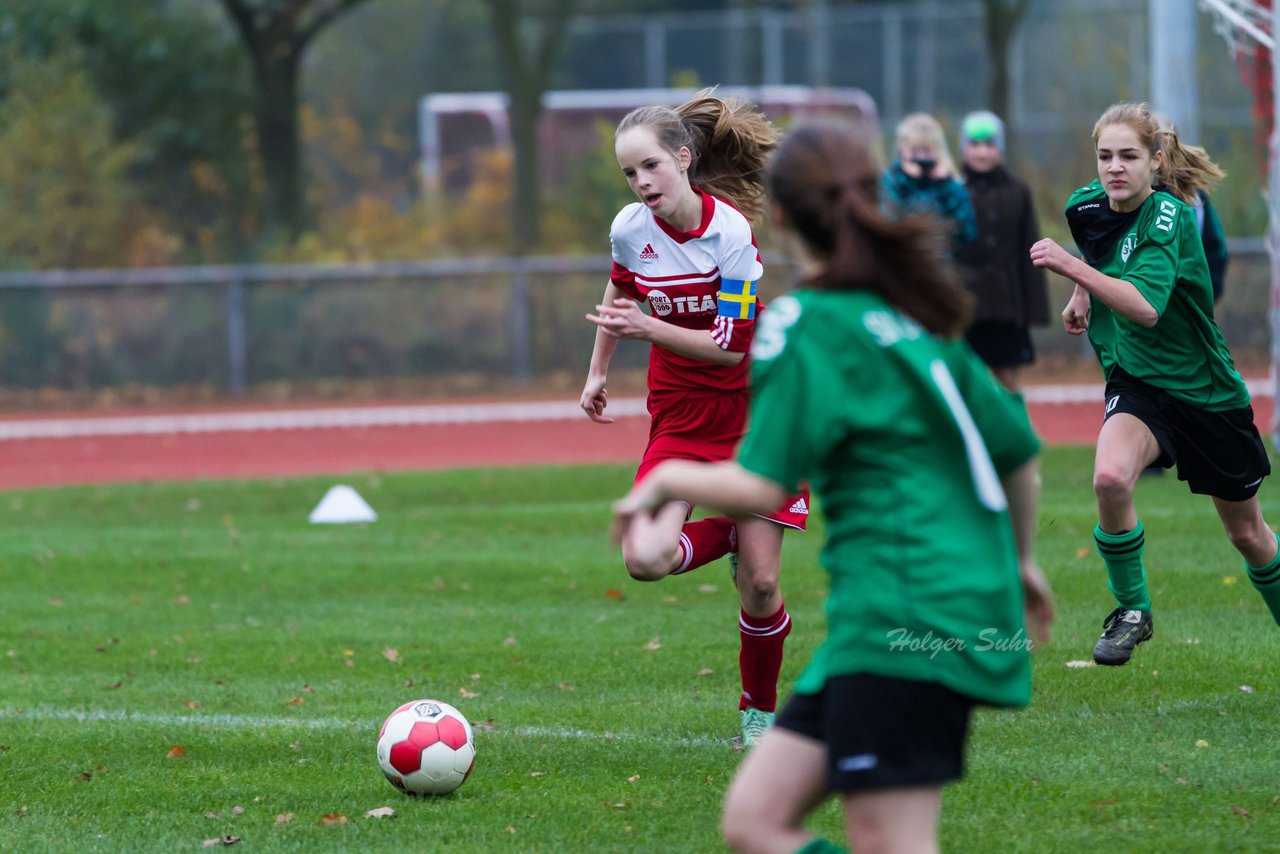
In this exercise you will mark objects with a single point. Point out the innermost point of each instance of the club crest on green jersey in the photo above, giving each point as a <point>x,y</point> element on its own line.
<point>1130,241</point>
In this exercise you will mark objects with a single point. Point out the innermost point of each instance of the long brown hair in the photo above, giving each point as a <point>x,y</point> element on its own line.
<point>1185,168</point>
<point>729,138</point>
<point>825,181</point>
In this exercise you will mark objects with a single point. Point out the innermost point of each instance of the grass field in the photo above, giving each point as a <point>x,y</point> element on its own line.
<point>213,618</point>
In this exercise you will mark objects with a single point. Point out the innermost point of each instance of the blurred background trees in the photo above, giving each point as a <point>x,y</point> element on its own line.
<point>153,132</point>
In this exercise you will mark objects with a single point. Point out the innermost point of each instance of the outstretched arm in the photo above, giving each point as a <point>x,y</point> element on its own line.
<point>1120,296</point>
<point>595,397</point>
<point>1022,487</point>
<point>725,486</point>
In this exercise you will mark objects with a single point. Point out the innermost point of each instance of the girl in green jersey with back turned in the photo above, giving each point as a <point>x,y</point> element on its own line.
<point>926,470</point>
<point>1144,296</point>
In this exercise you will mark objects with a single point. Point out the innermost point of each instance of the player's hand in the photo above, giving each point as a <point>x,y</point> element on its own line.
<point>1048,254</point>
<point>635,508</point>
<point>1037,602</point>
<point>595,397</point>
<point>1075,317</point>
<point>623,319</point>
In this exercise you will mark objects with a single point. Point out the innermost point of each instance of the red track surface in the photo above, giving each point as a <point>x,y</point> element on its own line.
<point>236,453</point>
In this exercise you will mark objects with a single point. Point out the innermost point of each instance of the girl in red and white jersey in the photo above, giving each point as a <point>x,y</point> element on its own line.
<point>687,251</point>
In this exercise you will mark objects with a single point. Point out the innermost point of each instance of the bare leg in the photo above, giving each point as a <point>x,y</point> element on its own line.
<point>759,566</point>
<point>777,785</point>
<point>894,821</point>
<point>1125,448</point>
<point>651,549</point>
<point>1009,377</point>
<point>1247,530</point>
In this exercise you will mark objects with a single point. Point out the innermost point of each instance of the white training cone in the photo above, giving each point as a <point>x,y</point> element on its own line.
<point>342,504</point>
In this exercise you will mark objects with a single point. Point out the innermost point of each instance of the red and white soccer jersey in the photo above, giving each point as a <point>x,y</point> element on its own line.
<point>700,279</point>
<point>679,274</point>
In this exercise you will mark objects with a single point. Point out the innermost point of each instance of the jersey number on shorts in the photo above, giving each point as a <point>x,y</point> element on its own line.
<point>985,480</point>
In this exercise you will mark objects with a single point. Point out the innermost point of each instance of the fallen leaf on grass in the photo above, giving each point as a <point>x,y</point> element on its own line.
<point>611,593</point>
<point>1083,552</point>
<point>468,694</point>
<point>1200,742</point>
<point>565,686</point>
<point>706,671</point>
<point>1181,781</point>
<point>656,643</point>
<point>618,806</point>
<point>707,588</point>
<point>295,701</point>
<point>191,704</point>
<point>213,815</point>
<point>332,818</point>
<point>1240,811</point>
<point>1228,579</point>
<point>176,752</point>
<point>1246,689</point>
<point>1081,664</point>
<point>508,641</point>
<point>391,654</point>
<point>537,773</point>
<point>284,818</point>
<point>633,778</point>
<point>380,812</point>
<point>1108,802</point>
<point>221,840</point>
<point>237,810</point>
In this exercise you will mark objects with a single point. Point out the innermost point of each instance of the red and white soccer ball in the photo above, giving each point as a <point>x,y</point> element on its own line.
<point>426,748</point>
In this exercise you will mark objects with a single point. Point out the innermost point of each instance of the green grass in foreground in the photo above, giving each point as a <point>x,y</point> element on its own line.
<point>212,616</point>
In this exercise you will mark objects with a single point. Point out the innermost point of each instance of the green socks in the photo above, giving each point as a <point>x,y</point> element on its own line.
<point>1122,553</point>
<point>820,846</point>
<point>1266,580</point>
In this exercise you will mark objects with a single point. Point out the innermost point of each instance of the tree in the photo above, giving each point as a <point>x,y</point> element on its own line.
<point>173,84</point>
<point>276,33</point>
<point>527,47</point>
<point>1003,17</point>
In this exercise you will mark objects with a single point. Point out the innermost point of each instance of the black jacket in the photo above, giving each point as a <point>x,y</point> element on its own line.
<point>997,266</point>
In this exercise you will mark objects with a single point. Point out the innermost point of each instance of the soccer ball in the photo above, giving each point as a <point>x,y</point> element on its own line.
<point>426,748</point>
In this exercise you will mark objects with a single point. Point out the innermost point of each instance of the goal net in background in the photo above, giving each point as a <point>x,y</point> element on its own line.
<point>1248,27</point>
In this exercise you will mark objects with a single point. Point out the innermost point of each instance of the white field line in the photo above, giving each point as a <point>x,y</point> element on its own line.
<point>259,722</point>
<point>411,415</point>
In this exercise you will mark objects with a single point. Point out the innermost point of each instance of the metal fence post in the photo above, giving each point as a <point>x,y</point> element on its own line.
<point>521,321</point>
<point>236,339</point>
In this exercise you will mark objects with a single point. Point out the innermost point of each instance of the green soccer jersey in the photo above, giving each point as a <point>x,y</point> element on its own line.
<point>903,437</point>
<point>1159,252</point>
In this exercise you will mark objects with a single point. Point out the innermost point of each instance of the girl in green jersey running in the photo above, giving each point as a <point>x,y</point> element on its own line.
<point>1144,296</point>
<point>926,470</point>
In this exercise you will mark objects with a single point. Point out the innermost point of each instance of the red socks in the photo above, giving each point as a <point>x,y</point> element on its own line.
<point>760,658</point>
<point>704,541</point>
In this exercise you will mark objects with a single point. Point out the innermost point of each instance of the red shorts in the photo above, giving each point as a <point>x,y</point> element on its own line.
<point>707,428</point>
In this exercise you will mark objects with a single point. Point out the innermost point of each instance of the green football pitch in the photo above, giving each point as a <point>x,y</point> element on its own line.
<point>191,665</point>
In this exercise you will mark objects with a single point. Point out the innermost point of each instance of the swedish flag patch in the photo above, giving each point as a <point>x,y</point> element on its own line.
<point>736,298</point>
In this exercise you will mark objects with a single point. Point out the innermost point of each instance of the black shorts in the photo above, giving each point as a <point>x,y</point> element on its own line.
<point>1217,453</point>
<point>882,732</point>
<point>1001,345</point>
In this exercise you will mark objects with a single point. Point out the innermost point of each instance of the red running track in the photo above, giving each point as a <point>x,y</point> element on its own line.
<point>75,448</point>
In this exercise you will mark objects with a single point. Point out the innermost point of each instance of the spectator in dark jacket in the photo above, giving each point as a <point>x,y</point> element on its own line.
<point>1010,293</point>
